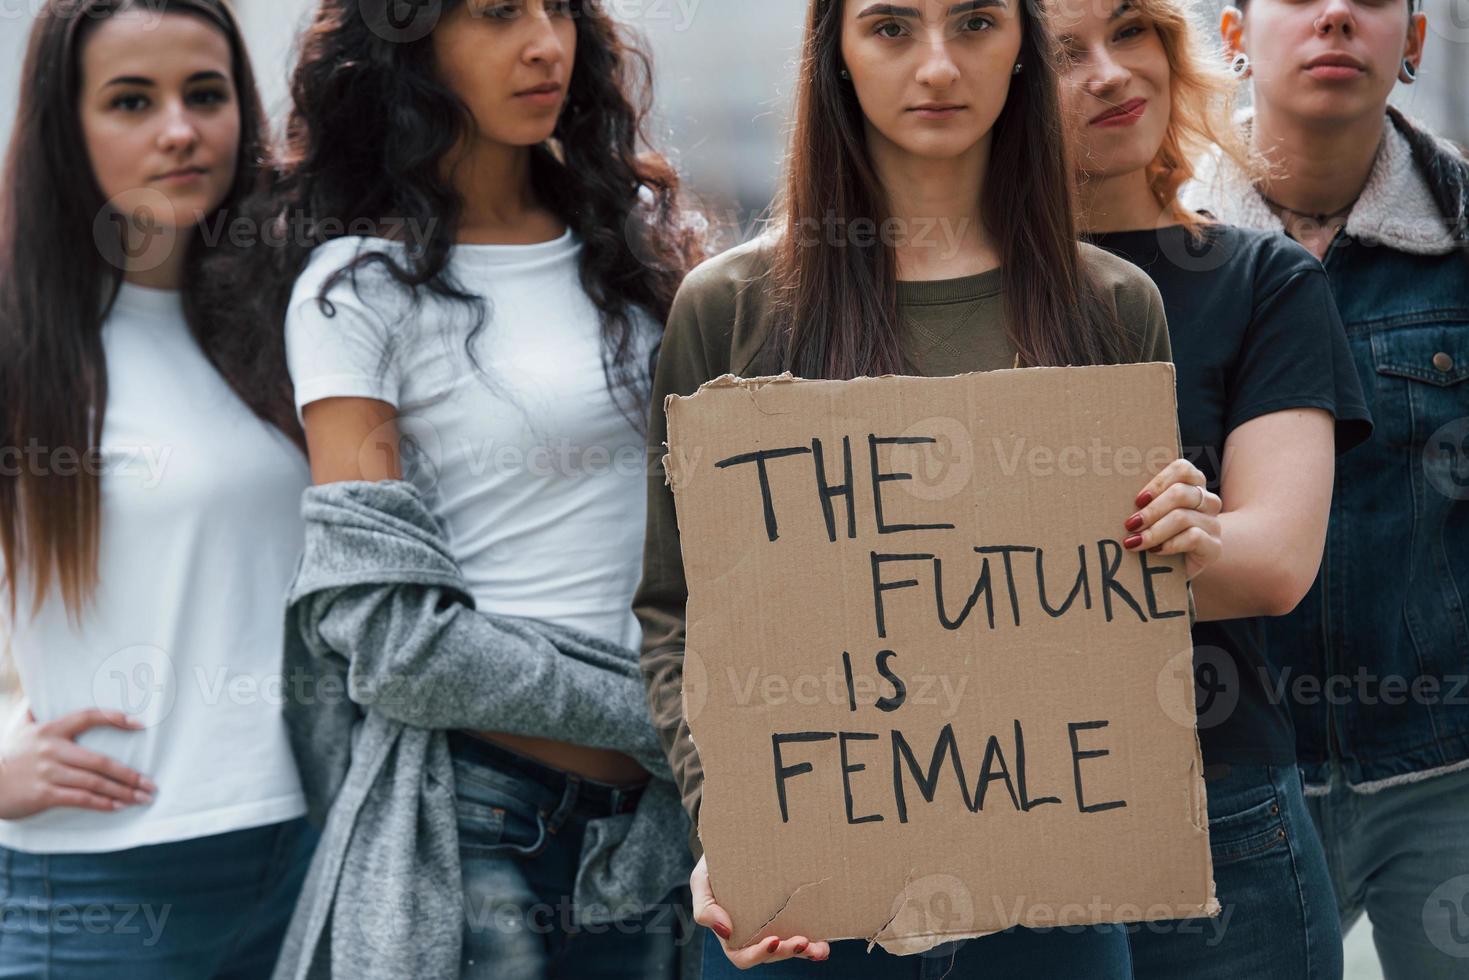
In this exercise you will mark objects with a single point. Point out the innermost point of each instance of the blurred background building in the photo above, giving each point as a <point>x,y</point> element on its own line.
<point>724,70</point>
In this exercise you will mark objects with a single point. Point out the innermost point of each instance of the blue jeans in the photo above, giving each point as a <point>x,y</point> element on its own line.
<point>1071,953</point>
<point>1402,856</point>
<point>521,826</point>
<point>1278,918</point>
<point>211,908</point>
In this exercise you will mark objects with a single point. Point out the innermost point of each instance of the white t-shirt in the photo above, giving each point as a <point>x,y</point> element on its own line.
<point>200,534</point>
<point>534,473</point>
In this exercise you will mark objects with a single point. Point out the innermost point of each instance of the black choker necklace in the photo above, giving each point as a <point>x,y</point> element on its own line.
<point>1320,219</point>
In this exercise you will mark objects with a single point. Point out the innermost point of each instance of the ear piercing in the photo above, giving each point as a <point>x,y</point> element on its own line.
<point>1240,66</point>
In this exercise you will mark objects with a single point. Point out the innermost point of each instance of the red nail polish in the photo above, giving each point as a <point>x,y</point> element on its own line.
<point>1144,498</point>
<point>1133,542</point>
<point>772,946</point>
<point>1155,549</point>
<point>1135,522</point>
<point>800,948</point>
<point>721,930</point>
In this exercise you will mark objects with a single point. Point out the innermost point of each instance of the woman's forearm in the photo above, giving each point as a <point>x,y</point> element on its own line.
<point>1264,570</point>
<point>1276,486</point>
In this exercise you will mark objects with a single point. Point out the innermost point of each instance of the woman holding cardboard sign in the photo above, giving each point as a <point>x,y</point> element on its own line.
<point>909,116</point>
<point>1267,394</point>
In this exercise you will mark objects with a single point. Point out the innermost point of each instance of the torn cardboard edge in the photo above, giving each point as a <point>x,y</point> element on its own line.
<point>786,377</point>
<point>911,943</point>
<point>759,382</point>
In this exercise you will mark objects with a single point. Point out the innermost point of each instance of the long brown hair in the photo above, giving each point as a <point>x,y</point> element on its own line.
<point>838,304</point>
<point>57,285</point>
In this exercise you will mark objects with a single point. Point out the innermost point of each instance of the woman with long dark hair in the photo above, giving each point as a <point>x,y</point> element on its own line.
<point>1267,398</point>
<point>148,511</point>
<point>926,228</point>
<point>474,352</point>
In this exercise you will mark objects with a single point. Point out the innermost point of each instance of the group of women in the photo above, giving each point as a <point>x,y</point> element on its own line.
<point>467,242</point>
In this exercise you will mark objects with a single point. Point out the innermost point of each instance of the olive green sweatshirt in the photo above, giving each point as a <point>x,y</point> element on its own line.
<point>719,325</point>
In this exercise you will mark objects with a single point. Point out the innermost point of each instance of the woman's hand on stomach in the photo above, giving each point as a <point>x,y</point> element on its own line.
<point>44,768</point>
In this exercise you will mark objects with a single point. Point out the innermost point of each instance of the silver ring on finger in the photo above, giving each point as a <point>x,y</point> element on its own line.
<point>1203,496</point>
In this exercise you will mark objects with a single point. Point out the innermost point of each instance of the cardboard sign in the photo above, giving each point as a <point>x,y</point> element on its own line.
<point>933,695</point>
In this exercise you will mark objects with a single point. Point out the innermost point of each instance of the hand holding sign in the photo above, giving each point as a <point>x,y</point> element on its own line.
<point>1179,516</point>
<point>767,949</point>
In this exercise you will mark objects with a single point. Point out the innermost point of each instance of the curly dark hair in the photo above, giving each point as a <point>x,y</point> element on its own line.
<point>372,122</point>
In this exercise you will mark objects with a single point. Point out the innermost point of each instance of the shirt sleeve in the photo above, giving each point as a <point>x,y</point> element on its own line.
<point>340,348</point>
<point>1295,353</point>
<point>1136,303</point>
<point>1156,344</point>
<point>662,595</point>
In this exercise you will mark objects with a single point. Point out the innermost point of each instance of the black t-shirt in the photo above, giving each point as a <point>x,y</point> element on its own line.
<point>1255,330</point>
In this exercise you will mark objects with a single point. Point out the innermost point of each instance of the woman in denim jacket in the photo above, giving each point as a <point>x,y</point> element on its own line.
<point>1375,661</point>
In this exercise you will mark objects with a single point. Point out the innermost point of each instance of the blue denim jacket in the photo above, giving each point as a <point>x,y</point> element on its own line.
<point>1375,660</point>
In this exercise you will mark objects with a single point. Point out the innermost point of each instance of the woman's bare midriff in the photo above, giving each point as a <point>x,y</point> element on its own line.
<point>601,765</point>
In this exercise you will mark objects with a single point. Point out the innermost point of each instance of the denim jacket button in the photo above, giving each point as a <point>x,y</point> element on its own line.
<point>1443,362</point>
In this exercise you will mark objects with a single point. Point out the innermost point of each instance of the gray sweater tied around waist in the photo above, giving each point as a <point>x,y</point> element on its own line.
<point>385,652</point>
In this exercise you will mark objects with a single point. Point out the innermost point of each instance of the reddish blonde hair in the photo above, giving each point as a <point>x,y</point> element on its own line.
<point>1201,112</point>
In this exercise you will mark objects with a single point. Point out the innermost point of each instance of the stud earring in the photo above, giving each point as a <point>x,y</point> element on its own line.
<point>1018,68</point>
<point>846,74</point>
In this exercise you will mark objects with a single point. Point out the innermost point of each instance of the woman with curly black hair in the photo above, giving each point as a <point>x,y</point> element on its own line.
<point>497,253</point>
